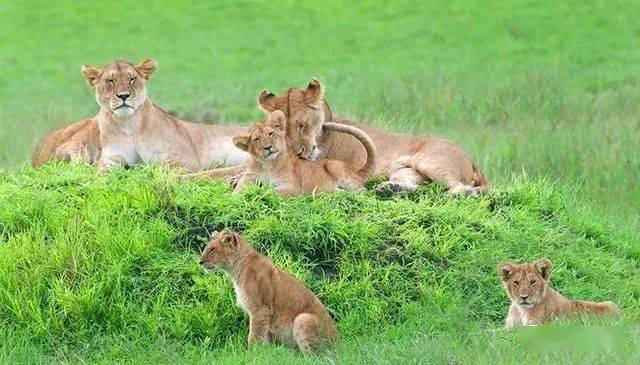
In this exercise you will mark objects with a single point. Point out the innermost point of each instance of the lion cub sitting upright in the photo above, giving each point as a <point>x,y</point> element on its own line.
<point>272,161</point>
<point>533,300</point>
<point>280,307</point>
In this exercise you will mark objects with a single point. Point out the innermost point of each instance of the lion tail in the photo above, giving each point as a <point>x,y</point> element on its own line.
<point>372,153</point>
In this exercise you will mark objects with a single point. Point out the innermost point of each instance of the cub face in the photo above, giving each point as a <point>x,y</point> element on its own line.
<point>525,284</point>
<point>306,116</point>
<point>265,140</point>
<point>220,252</point>
<point>120,87</point>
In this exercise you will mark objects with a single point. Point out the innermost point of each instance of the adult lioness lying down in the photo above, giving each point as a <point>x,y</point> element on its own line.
<point>134,131</point>
<point>407,160</point>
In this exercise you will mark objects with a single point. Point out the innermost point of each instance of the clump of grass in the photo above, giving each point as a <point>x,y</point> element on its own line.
<point>89,258</point>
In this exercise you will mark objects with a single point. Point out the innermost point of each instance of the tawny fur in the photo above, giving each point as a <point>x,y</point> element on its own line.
<point>135,131</point>
<point>407,160</point>
<point>273,162</point>
<point>77,143</point>
<point>534,301</point>
<point>280,307</point>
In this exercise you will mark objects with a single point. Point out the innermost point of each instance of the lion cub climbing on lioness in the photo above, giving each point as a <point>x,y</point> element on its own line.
<point>280,307</point>
<point>533,300</point>
<point>273,162</point>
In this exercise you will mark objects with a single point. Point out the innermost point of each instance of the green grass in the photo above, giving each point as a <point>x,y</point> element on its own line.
<point>541,87</point>
<point>103,267</point>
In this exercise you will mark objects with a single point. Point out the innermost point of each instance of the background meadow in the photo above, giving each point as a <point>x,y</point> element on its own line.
<point>544,95</point>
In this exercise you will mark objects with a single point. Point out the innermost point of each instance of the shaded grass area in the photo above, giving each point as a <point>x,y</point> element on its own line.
<point>543,87</point>
<point>103,267</point>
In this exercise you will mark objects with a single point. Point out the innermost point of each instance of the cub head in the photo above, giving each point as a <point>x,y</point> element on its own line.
<point>305,112</point>
<point>121,86</point>
<point>526,284</point>
<point>222,251</point>
<point>265,140</point>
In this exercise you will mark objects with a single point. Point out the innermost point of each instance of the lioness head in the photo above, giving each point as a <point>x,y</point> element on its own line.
<point>265,140</point>
<point>121,86</point>
<point>526,284</point>
<point>222,251</point>
<point>305,111</point>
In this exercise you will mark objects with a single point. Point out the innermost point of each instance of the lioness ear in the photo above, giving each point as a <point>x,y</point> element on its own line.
<point>147,68</point>
<point>278,120</point>
<point>90,74</point>
<point>506,270</point>
<point>213,234</point>
<point>314,91</point>
<point>231,239</point>
<point>267,100</point>
<point>544,266</point>
<point>242,141</point>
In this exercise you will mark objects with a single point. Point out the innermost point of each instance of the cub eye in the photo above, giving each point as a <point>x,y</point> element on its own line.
<point>132,80</point>
<point>255,139</point>
<point>516,282</point>
<point>270,133</point>
<point>533,282</point>
<point>110,82</point>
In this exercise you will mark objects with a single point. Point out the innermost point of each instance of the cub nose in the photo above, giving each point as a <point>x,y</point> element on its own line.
<point>524,296</point>
<point>268,148</point>
<point>123,96</point>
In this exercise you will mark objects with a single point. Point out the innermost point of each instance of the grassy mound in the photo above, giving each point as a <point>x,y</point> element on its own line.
<point>98,267</point>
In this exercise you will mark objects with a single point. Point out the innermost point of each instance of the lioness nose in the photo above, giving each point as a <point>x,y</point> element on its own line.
<point>123,96</point>
<point>268,148</point>
<point>524,296</point>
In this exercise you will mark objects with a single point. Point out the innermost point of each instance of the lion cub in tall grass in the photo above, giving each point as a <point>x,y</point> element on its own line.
<point>533,300</point>
<point>272,161</point>
<point>280,306</point>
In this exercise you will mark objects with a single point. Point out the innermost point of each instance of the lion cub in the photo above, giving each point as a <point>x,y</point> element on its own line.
<point>280,306</point>
<point>533,300</point>
<point>272,161</point>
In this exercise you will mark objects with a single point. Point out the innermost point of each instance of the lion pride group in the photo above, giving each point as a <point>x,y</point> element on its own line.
<point>300,148</point>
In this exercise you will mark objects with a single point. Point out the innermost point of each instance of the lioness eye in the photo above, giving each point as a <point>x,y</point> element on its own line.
<point>271,133</point>
<point>110,81</point>
<point>132,80</point>
<point>533,282</point>
<point>516,282</point>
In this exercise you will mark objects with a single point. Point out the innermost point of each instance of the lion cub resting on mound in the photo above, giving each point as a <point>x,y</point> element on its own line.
<point>272,161</point>
<point>533,300</point>
<point>279,305</point>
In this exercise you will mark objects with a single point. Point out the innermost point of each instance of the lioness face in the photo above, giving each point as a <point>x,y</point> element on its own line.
<point>526,284</point>
<point>265,140</point>
<point>120,87</point>
<point>305,109</point>
<point>220,252</point>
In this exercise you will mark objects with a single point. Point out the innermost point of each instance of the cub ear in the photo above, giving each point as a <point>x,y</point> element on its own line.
<point>90,74</point>
<point>545,267</point>
<point>242,141</point>
<point>278,120</point>
<point>314,91</point>
<point>267,100</point>
<point>147,68</point>
<point>230,239</point>
<point>506,270</point>
<point>213,234</point>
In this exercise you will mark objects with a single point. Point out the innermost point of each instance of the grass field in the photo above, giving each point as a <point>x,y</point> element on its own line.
<point>546,91</point>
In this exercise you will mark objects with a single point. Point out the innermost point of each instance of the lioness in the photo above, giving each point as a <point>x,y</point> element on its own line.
<point>77,143</point>
<point>407,160</point>
<point>135,131</point>
<point>533,300</point>
<point>280,307</point>
<point>273,162</point>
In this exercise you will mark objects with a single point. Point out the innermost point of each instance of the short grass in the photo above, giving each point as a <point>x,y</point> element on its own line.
<point>103,268</point>
<point>549,88</point>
